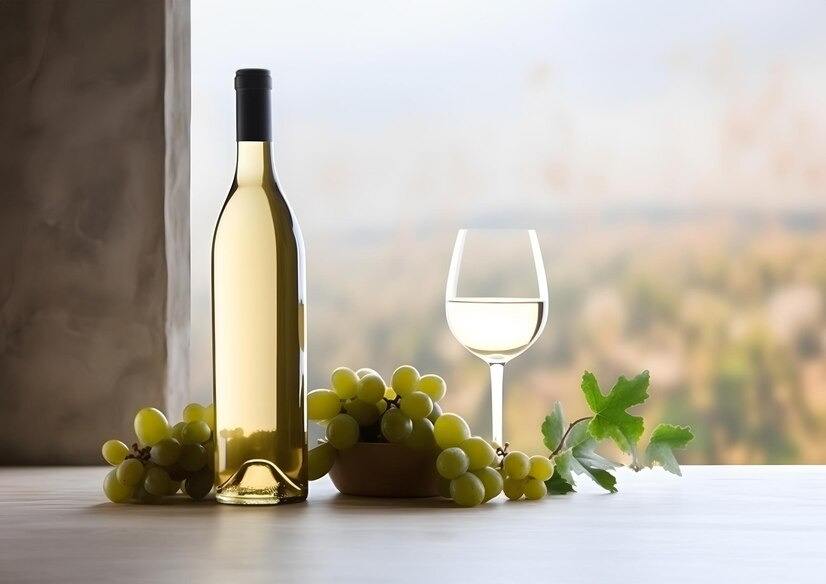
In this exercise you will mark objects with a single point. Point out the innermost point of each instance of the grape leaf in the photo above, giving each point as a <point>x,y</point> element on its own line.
<point>553,428</point>
<point>577,456</point>
<point>584,460</point>
<point>610,418</point>
<point>566,464</point>
<point>562,468</point>
<point>558,485</point>
<point>664,439</point>
<point>604,479</point>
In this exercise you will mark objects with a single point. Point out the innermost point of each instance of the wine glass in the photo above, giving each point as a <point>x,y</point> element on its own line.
<point>496,301</point>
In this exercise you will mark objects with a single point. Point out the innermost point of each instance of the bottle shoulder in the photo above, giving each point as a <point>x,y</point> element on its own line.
<point>258,204</point>
<point>256,195</point>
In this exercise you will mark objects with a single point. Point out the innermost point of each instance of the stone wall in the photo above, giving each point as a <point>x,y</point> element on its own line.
<point>94,221</point>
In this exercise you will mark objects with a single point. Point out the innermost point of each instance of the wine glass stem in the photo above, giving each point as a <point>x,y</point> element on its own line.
<point>497,375</point>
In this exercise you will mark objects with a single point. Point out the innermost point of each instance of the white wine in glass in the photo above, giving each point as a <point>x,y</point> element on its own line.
<point>496,301</point>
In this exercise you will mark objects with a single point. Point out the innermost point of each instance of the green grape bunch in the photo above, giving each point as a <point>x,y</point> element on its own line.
<point>467,465</point>
<point>525,475</point>
<point>360,407</point>
<point>165,460</point>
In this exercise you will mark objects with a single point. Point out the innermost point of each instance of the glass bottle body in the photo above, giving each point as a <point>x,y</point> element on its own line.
<point>258,313</point>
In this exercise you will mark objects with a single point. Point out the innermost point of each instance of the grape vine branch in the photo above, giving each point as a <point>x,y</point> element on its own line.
<point>565,435</point>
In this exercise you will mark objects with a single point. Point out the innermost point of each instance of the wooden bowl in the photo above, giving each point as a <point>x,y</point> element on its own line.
<point>384,470</point>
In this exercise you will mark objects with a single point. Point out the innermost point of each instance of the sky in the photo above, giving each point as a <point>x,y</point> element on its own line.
<point>367,94</point>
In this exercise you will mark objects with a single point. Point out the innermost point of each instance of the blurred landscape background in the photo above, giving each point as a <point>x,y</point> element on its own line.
<point>672,158</point>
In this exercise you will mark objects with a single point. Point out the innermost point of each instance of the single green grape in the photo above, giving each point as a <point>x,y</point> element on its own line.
<point>130,472</point>
<point>144,496</point>
<point>193,457</point>
<point>193,413</point>
<point>151,426</point>
<point>365,371</point>
<point>467,490</point>
<point>404,380</point>
<point>176,430</point>
<point>177,472</point>
<point>199,484</point>
<point>370,388</point>
<point>209,416</point>
<point>396,425</point>
<point>344,382</point>
<point>323,404</point>
<point>542,468</point>
<point>417,405</point>
<point>362,412</point>
<point>421,436</point>
<point>165,452</point>
<point>452,462</point>
<point>342,432</point>
<point>114,451</point>
<point>535,489</point>
<point>157,481</point>
<point>491,480</point>
<point>443,487</point>
<point>450,430</point>
<point>381,406</point>
<point>513,488</point>
<point>435,412</point>
<point>480,453</point>
<point>517,465</point>
<point>196,432</point>
<point>320,460</point>
<point>434,386</point>
<point>115,490</point>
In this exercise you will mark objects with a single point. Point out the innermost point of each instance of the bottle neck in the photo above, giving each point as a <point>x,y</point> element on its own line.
<point>253,114</point>
<point>254,165</point>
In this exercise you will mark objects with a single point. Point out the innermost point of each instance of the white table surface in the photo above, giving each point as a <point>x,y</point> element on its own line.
<point>715,524</point>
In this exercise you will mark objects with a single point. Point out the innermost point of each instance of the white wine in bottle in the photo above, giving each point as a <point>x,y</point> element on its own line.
<point>258,326</point>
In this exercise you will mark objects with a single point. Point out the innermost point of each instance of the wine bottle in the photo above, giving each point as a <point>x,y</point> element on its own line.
<point>258,321</point>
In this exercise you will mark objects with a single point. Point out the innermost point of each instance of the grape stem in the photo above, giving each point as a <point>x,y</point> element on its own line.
<point>141,454</point>
<point>565,435</point>
<point>502,453</point>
